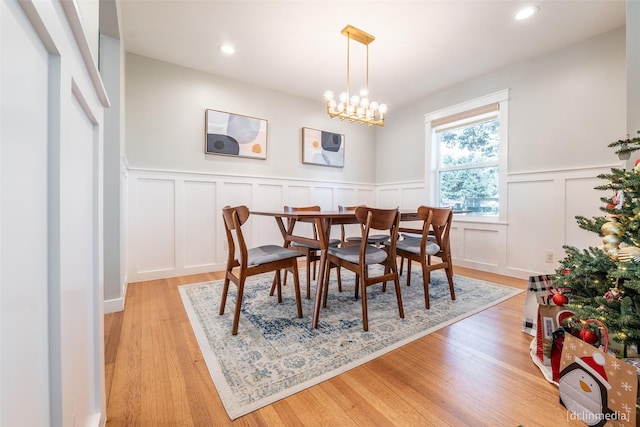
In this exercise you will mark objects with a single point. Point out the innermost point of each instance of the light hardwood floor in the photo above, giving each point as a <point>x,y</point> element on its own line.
<point>475,372</point>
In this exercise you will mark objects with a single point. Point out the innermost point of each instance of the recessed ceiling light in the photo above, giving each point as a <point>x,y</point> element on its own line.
<point>527,12</point>
<point>226,48</point>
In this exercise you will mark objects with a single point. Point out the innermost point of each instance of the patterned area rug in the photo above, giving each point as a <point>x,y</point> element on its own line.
<point>275,354</point>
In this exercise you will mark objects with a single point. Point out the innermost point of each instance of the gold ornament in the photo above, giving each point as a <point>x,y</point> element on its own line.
<point>612,233</point>
<point>629,253</point>
<point>612,227</point>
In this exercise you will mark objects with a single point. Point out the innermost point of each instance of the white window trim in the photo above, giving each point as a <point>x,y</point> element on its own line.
<point>431,181</point>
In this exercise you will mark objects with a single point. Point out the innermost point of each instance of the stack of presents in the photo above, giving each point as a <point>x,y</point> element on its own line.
<point>597,383</point>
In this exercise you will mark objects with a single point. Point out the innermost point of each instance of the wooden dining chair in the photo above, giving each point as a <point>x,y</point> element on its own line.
<point>434,242</point>
<point>374,239</point>
<point>249,262</point>
<point>358,258</point>
<point>310,252</point>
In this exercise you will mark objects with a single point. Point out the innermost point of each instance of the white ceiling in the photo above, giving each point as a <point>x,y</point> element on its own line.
<point>296,47</point>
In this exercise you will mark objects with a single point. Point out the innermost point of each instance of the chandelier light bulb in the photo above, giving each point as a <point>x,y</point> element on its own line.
<point>344,97</point>
<point>332,103</point>
<point>328,95</point>
<point>382,108</point>
<point>364,93</point>
<point>364,102</point>
<point>355,100</point>
<point>373,106</point>
<point>341,107</point>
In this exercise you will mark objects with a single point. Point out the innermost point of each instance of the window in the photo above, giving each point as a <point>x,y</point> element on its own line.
<point>467,149</point>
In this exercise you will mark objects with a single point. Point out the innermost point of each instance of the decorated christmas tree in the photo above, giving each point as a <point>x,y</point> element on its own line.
<point>604,282</point>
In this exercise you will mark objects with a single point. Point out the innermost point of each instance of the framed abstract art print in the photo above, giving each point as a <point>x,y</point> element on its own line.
<point>322,148</point>
<point>235,135</point>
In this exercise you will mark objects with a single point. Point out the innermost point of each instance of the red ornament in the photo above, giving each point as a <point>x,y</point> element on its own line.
<point>588,336</point>
<point>560,299</point>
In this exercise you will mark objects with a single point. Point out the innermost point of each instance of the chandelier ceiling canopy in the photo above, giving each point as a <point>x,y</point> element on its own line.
<point>356,108</point>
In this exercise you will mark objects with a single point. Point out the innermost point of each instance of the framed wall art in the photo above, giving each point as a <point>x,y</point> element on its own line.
<point>322,148</point>
<point>235,135</point>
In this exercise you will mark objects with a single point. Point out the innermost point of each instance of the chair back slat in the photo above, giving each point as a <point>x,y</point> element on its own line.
<point>441,225</point>
<point>291,222</point>
<point>302,208</point>
<point>228,211</point>
<point>234,217</point>
<point>382,219</point>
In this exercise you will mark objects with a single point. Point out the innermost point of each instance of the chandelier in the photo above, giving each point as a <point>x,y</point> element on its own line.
<point>356,108</point>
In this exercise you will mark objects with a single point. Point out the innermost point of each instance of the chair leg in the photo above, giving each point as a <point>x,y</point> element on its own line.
<point>339,278</point>
<point>325,284</point>
<point>399,296</point>
<point>279,286</point>
<point>236,315</point>
<point>426,278</point>
<point>357,287</point>
<point>449,271</point>
<point>225,290</point>
<point>365,315</point>
<point>401,264</point>
<point>296,286</point>
<point>408,271</point>
<point>309,276</point>
<point>273,285</point>
<point>384,284</point>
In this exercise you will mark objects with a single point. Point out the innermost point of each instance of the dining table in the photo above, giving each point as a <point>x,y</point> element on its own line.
<point>323,220</point>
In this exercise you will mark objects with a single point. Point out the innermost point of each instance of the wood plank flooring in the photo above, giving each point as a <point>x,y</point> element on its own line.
<point>476,372</point>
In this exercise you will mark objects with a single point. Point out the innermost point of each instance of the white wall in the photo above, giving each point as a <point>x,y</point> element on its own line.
<point>112,71</point>
<point>51,289</point>
<point>166,126</point>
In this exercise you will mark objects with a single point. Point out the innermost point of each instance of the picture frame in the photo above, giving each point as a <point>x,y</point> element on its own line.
<point>236,135</point>
<point>322,148</point>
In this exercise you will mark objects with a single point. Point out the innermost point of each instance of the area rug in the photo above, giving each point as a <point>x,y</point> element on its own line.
<point>275,354</point>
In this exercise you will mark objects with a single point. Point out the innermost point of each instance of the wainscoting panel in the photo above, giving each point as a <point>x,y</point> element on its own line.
<point>323,197</point>
<point>532,215</point>
<point>299,195</point>
<point>156,225</point>
<point>389,198</point>
<point>237,193</point>
<point>366,196</point>
<point>479,246</point>
<point>412,197</point>
<point>579,200</point>
<point>345,197</point>
<point>269,198</point>
<point>200,220</point>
